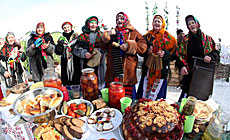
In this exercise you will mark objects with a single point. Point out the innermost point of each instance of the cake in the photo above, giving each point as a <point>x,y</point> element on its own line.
<point>152,120</point>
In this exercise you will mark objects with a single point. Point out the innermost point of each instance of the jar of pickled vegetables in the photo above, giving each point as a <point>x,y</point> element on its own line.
<point>51,78</point>
<point>89,84</point>
<point>116,92</point>
<point>189,106</point>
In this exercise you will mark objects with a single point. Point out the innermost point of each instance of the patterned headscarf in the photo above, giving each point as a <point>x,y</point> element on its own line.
<point>191,17</point>
<point>163,40</point>
<point>67,22</point>
<point>9,33</point>
<point>126,21</point>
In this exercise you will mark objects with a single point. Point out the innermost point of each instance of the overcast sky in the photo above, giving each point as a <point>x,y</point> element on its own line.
<point>21,16</point>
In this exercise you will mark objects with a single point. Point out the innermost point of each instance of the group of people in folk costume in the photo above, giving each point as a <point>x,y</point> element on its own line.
<point>114,54</point>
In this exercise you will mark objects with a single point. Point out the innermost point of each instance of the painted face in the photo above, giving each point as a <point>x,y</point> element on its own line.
<point>93,26</point>
<point>192,26</point>
<point>40,30</point>
<point>120,20</point>
<point>157,24</point>
<point>67,28</point>
<point>11,39</point>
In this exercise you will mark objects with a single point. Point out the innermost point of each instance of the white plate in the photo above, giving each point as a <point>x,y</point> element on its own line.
<point>116,121</point>
<point>79,101</point>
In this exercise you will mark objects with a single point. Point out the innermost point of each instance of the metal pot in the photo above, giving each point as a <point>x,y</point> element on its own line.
<point>42,117</point>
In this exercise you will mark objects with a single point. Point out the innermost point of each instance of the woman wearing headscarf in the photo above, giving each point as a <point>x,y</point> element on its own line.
<point>11,68</point>
<point>40,48</point>
<point>195,43</point>
<point>161,44</point>
<point>70,74</point>
<point>123,44</point>
<point>88,49</point>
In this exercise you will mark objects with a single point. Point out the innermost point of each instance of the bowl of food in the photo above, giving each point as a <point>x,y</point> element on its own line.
<point>77,108</point>
<point>38,105</point>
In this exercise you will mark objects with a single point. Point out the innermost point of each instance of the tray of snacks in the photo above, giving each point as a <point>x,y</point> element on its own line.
<point>77,108</point>
<point>104,120</point>
<point>38,105</point>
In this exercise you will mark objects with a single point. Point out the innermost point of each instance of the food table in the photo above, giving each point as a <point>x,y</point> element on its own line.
<point>15,127</point>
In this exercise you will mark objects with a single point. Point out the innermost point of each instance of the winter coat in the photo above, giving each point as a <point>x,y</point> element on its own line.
<point>136,45</point>
<point>86,42</point>
<point>65,49</point>
<point>13,64</point>
<point>198,45</point>
<point>38,62</point>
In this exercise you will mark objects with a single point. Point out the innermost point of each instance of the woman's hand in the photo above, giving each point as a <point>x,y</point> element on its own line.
<point>124,46</point>
<point>33,46</point>
<point>112,32</point>
<point>161,53</point>
<point>150,49</point>
<point>46,45</point>
<point>207,59</point>
<point>184,71</point>
<point>6,74</point>
<point>88,55</point>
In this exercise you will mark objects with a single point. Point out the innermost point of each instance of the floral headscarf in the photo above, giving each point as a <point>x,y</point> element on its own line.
<point>121,31</point>
<point>86,31</point>
<point>163,40</point>
<point>126,21</point>
<point>9,33</point>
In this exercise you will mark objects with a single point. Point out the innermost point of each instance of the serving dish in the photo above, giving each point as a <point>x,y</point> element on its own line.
<point>30,95</point>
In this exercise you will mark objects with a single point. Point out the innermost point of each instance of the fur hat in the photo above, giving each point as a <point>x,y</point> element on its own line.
<point>67,22</point>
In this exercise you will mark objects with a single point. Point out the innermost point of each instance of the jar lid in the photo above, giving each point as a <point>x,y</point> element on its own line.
<point>116,84</point>
<point>87,70</point>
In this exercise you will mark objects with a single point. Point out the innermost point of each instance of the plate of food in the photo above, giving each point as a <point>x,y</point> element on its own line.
<point>38,104</point>
<point>77,108</point>
<point>202,111</point>
<point>69,127</point>
<point>46,132</point>
<point>104,120</point>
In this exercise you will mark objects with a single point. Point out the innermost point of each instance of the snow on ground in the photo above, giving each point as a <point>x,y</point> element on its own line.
<point>221,94</point>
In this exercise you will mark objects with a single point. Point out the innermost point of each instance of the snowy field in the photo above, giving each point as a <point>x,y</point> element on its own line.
<point>221,94</point>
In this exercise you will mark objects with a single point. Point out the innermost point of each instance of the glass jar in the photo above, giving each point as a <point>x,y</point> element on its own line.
<point>65,93</point>
<point>51,79</point>
<point>116,92</point>
<point>189,106</point>
<point>89,84</point>
<point>216,127</point>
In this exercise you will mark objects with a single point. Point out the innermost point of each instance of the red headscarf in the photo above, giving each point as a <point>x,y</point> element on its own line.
<point>67,22</point>
<point>41,24</point>
<point>126,21</point>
